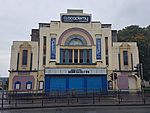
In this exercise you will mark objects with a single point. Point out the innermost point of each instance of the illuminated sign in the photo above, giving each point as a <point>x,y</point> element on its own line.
<point>75,19</point>
<point>75,71</point>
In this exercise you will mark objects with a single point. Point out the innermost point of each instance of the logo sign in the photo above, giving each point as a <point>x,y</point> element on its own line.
<point>75,19</point>
<point>78,71</point>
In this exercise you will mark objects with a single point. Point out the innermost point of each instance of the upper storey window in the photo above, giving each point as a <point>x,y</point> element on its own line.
<point>75,40</point>
<point>25,56</point>
<point>125,57</point>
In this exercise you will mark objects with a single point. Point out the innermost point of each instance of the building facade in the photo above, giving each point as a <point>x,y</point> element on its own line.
<point>74,53</point>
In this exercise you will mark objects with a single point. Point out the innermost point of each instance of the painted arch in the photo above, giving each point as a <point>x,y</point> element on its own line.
<point>76,31</point>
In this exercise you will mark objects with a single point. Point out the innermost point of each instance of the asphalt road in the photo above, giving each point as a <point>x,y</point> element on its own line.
<point>101,109</point>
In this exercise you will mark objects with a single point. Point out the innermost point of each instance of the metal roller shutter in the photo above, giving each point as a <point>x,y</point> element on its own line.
<point>94,83</point>
<point>58,84</point>
<point>76,83</point>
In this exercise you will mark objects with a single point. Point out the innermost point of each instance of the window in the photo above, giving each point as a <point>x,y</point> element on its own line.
<point>18,61</point>
<point>44,45</point>
<point>75,56</point>
<point>31,61</point>
<point>88,56</point>
<point>29,85</point>
<point>44,50</point>
<point>41,85</point>
<point>70,56</point>
<point>24,57</point>
<point>44,60</point>
<point>75,42</point>
<point>125,57</point>
<point>106,45</point>
<point>107,60</point>
<point>64,54</point>
<point>44,40</point>
<point>106,50</point>
<point>17,85</point>
<point>81,56</point>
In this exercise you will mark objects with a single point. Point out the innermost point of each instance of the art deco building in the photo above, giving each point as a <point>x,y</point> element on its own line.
<point>73,53</point>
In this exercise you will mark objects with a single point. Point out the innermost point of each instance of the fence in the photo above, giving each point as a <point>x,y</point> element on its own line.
<point>16,99</point>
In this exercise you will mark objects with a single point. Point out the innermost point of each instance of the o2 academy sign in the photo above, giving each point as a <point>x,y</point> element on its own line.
<point>75,19</point>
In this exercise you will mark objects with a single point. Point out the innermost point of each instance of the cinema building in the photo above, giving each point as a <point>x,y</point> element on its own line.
<point>73,53</point>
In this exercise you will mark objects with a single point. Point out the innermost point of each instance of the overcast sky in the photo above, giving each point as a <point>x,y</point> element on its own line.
<point>18,17</point>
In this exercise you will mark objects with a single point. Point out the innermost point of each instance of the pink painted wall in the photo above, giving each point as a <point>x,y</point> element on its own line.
<point>23,79</point>
<point>122,81</point>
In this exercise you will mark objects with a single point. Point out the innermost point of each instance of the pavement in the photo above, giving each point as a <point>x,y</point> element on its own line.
<point>85,109</point>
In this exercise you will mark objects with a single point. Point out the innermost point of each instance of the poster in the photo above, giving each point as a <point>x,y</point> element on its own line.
<point>53,48</point>
<point>98,48</point>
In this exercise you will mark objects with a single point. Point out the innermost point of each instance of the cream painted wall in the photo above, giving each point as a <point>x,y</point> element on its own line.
<point>116,50</point>
<point>14,54</point>
<point>57,28</point>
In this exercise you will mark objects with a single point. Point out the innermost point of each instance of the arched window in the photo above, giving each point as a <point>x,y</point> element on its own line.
<point>17,85</point>
<point>75,40</point>
<point>29,85</point>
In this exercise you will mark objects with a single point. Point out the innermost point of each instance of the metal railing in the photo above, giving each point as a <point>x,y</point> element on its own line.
<point>16,99</point>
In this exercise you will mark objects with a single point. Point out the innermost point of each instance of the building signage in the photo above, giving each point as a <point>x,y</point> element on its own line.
<point>98,48</point>
<point>78,71</point>
<point>75,19</point>
<point>75,71</point>
<point>53,48</point>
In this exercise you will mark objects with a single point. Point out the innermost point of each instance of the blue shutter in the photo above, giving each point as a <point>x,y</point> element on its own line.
<point>94,83</point>
<point>47,83</point>
<point>76,83</point>
<point>58,84</point>
<point>104,83</point>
